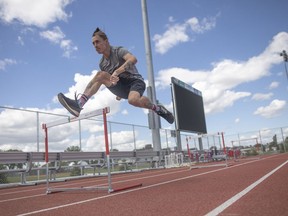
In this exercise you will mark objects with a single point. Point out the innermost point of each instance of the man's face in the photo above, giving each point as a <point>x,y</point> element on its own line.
<point>100,44</point>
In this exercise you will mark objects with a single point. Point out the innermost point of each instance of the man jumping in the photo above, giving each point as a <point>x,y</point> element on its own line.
<point>120,75</point>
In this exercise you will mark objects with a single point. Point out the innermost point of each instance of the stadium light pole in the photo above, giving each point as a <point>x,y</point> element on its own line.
<point>154,120</point>
<point>285,59</point>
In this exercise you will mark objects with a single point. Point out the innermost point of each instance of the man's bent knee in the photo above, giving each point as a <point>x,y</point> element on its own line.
<point>102,75</point>
<point>133,101</point>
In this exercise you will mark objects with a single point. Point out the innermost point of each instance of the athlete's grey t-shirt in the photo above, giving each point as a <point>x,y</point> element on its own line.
<point>115,61</point>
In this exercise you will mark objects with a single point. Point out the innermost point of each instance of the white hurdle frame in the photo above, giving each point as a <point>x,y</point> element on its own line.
<point>241,140</point>
<point>45,127</point>
<point>219,135</point>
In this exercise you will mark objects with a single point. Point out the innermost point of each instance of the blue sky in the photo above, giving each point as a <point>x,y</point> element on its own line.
<point>228,49</point>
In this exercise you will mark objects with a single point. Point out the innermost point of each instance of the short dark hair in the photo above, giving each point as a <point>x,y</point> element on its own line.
<point>100,33</point>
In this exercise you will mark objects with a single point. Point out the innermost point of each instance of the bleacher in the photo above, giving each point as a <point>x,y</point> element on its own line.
<point>28,159</point>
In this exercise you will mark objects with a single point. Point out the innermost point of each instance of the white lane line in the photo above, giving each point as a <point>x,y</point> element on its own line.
<point>232,200</point>
<point>19,198</point>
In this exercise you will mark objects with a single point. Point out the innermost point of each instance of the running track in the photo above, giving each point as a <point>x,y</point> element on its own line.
<point>248,187</point>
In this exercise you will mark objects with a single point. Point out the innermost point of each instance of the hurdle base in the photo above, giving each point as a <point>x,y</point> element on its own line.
<point>126,188</point>
<point>209,166</point>
<point>57,190</point>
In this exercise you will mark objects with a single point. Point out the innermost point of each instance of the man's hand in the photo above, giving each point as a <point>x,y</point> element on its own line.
<point>114,78</point>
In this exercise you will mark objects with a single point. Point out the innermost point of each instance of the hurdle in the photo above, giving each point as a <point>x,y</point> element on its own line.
<point>174,160</point>
<point>207,156</point>
<point>237,153</point>
<point>87,115</point>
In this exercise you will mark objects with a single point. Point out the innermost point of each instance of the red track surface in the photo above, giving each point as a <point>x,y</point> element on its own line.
<point>176,191</point>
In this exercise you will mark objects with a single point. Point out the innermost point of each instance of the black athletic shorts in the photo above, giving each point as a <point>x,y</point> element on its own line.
<point>127,84</point>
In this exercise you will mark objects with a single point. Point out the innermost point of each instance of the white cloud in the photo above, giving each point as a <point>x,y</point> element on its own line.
<point>179,33</point>
<point>237,120</point>
<point>18,128</point>
<point>18,131</point>
<point>39,13</point>
<point>5,62</point>
<point>56,36</point>
<point>33,12</point>
<point>273,85</point>
<point>260,96</point>
<point>218,85</point>
<point>226,99</point>
<point>173,36</point>
<point>202,26</point>
<point>272,110</point>
<point>20,40</point>
<point>171,19</point>
<point>68,48</point>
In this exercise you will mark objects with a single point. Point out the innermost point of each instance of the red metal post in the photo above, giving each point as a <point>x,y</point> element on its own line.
<point>106,132</point>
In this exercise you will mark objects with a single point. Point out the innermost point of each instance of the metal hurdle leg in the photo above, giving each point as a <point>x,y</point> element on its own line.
<point>110,190</point>
<point>107,152</point>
